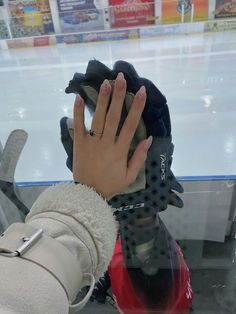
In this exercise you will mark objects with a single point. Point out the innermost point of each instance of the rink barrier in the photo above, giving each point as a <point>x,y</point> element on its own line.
<point>209,205</point>
<point>209,211</point>
<point>179,178</point>
<point>120,34</point>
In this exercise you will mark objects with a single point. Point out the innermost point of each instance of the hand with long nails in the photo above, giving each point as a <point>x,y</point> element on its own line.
<point>100,156</point>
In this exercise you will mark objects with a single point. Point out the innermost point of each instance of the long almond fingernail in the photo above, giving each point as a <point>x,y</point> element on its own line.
<point>142,93</point>
<point>78,101</point>
<point>105,88</point>
<point>120,80</point>
<point>148,143</point>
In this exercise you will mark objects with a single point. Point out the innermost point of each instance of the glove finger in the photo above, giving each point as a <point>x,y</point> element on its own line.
<point>67,142</point>
<point>175,200</point>
<point>175,185</point>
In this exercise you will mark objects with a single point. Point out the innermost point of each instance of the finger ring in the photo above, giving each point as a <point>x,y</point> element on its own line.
<point>93,133</point>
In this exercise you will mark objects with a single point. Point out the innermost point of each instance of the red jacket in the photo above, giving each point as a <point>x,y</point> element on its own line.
<point>179,300</point>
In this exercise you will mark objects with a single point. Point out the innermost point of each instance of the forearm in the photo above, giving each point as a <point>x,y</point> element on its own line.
<point>78,217</point>
<point>79,227</point>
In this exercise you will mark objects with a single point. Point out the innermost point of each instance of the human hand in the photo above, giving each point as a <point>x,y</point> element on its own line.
<point>101,157</point>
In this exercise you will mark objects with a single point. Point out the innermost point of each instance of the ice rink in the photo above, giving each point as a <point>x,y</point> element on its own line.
<point>197,73</point>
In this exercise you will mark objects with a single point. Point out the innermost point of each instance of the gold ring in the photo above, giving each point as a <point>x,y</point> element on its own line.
<point>93,133</point>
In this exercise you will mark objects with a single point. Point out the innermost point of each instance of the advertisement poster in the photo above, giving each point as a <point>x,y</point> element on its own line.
<point>98,36</point>
<point>219,26</point>
<point>127,13</point>
<point>225,8</point>
<point>78,15</point>
<point>31,42</point>
<point>30,18</point>
<point>172,10</point>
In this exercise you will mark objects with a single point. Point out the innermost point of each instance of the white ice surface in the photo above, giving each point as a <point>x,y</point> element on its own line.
<point>197,74</point>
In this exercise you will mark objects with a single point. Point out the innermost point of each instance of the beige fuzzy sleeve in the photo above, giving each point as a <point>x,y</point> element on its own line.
<point>81,219</point>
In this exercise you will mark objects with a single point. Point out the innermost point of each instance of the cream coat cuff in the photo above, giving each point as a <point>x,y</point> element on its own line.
<point>91,218</point>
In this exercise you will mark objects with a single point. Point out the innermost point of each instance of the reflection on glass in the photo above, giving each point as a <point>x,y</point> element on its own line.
<point>21,113</point>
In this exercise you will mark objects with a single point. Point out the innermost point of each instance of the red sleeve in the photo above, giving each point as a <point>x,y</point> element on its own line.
<point>183,288</point>
<point>122,289</point>
<point>126,297</point>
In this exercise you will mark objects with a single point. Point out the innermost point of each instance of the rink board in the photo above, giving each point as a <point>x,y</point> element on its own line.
<point>120,34</point>
<point>208,212</point>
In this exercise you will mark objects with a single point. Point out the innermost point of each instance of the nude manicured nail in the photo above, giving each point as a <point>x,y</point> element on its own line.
<point>148,143</point>
<point>120,80</point>
<point>105,88</point>
<point>78,101</point>
<point>142,93</point>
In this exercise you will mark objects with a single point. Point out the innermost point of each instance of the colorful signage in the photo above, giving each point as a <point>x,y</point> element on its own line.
<point>215,26</point>
<point>30,18</point>
<point>176,11</point>
<point>225,8</point>
<point>98,36</point>
<point>78,15</point>
<point>127,13</point>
